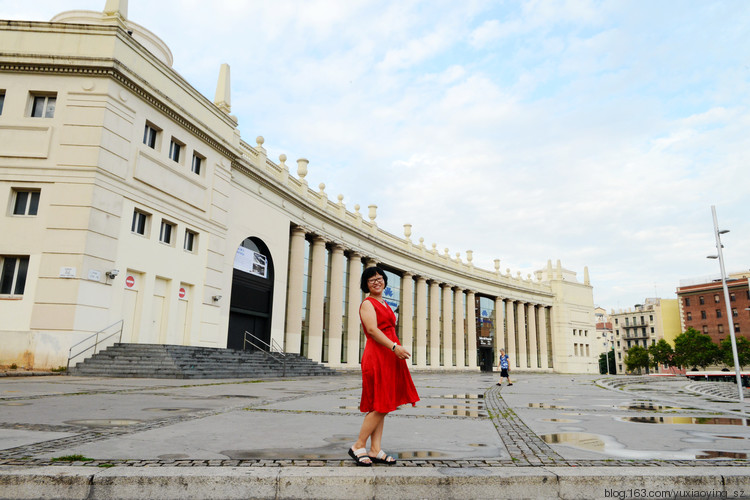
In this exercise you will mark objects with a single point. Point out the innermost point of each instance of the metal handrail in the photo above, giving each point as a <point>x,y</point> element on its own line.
<point>279,355</point>
<point>96,341</point>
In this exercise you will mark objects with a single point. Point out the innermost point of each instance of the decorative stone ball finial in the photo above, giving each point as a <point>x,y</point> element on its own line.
<point>282,161</point>
<point>356,210</point>
<point>341,199</point>
<point>421,242</point>
<point>302,167</point>
<point>259,141</point>
<point>322,187</point>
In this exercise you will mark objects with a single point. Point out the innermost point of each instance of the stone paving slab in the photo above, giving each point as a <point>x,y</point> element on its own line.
<point>547,436</point>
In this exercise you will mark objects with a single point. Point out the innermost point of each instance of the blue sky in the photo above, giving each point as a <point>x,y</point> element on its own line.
<point>597,133</point>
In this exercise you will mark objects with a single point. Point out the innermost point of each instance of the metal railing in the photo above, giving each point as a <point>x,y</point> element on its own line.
<point>97,341</point>
<point>277,355</point>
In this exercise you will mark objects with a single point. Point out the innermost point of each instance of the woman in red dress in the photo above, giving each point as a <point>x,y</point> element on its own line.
<point>386,382</point>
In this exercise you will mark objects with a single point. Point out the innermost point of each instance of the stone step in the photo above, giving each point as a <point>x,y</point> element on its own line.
<point>171,361</point>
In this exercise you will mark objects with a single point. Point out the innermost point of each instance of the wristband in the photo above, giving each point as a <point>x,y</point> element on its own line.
<point>394,347</point>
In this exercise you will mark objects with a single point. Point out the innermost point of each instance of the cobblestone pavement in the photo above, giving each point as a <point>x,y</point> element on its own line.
<point>463,420</point>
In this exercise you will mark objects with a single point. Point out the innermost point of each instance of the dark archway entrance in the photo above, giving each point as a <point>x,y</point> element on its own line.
<point>251,302</point>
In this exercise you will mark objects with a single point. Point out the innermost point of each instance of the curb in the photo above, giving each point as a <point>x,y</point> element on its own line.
<point>291,482</point>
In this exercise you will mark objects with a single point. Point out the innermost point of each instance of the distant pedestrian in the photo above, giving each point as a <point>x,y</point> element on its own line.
<point>504,367</point>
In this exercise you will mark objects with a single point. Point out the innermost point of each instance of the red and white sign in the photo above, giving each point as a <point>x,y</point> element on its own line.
<point>182,293</point>
<point>130,282</point>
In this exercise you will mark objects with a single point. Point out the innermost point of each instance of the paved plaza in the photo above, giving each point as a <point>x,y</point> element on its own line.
<point>547,436</point>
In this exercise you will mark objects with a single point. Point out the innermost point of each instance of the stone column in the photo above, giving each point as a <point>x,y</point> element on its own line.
<point>447,325</point>
<point>335,306</point>
<point>543,346</point>
<point>522,347</point>
<point>353,324</point>
<point>293,340</point>
<point>406,318</point>
<point>499,330</point>
<point>317,298</point>
<point>471,325</point>
<point>512,348</point>
<point>458,317</point>
<point>421,353</point>
<point>533,346</point>
<point>434,320</point>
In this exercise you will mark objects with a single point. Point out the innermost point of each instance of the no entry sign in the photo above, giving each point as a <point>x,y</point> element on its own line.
<point>130,282</point>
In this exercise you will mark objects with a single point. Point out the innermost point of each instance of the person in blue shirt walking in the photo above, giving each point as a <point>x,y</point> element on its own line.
<point>504,367</point>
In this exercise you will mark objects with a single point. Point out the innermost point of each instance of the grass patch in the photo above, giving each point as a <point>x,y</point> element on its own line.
<point>72,458</point>
<point>59,369</point>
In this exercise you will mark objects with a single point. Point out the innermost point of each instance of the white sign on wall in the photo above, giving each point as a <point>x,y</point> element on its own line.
<point>251,262</point>
<point>67,272</point>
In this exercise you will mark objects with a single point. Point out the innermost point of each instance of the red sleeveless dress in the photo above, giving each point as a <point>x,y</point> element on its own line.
<point>386,381</point>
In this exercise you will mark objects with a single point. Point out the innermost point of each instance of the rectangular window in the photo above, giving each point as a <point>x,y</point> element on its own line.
<point>687,301</point>
<point>718,313</point>
<point>735,313</point>
<point>721,328</point>
<point>703,315</point>
<point>165,233</point>
<point>138,225</point>
<point>13,275</point>
<point>732,297</point>
<point>26,202</point>
<point>2,100</point>
<point>43,106</point>
<point>702,300</point>
<point>195,167</point>
<point>150,132</point>
<point>737,328</point>
<point>705,329</point>
<point>690,316</point>
<point>175,148</point>
<point>716,298</point>
<point>190,240</point>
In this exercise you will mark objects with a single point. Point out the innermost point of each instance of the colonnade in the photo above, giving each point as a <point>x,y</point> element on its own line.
<point>437,320</point>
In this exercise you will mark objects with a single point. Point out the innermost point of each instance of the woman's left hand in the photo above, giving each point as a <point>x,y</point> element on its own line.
<point>401,352</point>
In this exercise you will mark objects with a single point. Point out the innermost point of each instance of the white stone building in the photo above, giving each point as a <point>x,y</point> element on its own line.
<point>133,204</point>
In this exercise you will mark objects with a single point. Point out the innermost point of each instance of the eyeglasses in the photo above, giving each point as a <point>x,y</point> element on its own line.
<point>373,281</point>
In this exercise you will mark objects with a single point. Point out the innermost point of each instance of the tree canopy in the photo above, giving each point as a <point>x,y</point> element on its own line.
<point>637,358</point>
<point>662,354</point>
<point>693,348</point>
<point>743,351</point>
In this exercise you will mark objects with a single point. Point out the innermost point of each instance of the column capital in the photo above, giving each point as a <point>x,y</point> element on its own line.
<point>337,247</point>
<point>353,254</point>
<point>297,230</point>
<point>421,278</point>
<point>316,238</point>
<point>407,274</point>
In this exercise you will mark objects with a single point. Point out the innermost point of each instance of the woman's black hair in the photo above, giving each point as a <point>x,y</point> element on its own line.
<point>369,273</point>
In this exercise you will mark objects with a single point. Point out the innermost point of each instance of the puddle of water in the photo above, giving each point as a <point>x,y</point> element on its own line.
<point>104,422</point>
<point>583,440</point>
<point>686,420</point>
<point>245,396</point>
<point>649,406</point>
<point>708,454</point>
<point>349,407</point>
<point>547,406</point>
<point>477,445</point>
<point>15,403</point>
<point>462,396</point>
<point>733,437</point>
<point>174,410</point>
<point>466,413</point>
<point>454,407</point>
<point>561,420</point>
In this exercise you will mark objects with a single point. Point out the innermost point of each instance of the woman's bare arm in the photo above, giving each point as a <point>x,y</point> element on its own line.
<point>370,322</point>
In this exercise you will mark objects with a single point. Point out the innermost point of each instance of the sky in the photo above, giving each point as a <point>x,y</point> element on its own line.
<point>599,133</point>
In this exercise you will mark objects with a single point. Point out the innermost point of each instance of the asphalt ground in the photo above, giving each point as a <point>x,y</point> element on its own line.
<point>548,435</point>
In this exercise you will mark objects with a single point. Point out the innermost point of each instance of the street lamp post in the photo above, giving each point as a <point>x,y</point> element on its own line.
<point>720,256</point>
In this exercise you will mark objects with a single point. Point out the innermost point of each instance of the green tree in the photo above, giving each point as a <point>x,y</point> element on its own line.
<point>693,348</point>
<point>743,351</point>
<point>637,358</point>
<point>662,354</point>
<point>603,363</point>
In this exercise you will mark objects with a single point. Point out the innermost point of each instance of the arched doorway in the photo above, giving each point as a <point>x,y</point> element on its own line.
<point>252,294</point>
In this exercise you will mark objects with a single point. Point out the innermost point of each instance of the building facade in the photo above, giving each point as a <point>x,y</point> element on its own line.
<point>644,325</point>
<point>134,206</point>
<point>702,305</point>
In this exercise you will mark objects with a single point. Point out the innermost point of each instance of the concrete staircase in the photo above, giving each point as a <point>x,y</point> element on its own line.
<point>182,362</point>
